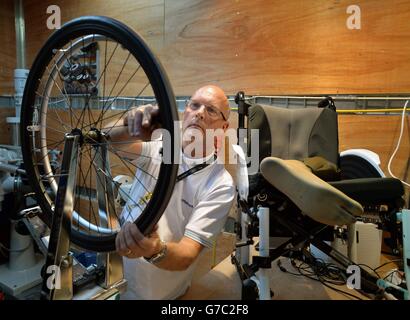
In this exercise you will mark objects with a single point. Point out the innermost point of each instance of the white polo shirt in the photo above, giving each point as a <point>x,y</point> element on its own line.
<point>198,209</point>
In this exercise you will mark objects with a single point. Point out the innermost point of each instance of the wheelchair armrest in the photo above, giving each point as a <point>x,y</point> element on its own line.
<point>368,191</point>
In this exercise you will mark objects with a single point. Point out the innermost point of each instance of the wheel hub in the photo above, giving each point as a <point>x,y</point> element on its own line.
<point>91,136</point>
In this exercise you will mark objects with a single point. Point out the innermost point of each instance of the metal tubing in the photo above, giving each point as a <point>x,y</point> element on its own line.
<point>244,251</point>
<point>264,289</point>
<point>20,34</point>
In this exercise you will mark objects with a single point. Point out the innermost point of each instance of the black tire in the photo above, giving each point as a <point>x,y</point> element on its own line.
<point>162,90</point>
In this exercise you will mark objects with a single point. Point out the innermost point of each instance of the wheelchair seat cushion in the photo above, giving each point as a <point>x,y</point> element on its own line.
<point>371,191</point>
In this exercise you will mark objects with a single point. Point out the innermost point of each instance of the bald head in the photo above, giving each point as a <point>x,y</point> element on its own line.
<point>216,96</point>
<point>205,118</point>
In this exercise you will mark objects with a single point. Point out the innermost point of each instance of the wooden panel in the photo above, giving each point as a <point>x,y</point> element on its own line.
<point>379,134</point>
<point>7,48</point>
<point>262,47</point>
<point>146,17</point>
<point>287,47</point>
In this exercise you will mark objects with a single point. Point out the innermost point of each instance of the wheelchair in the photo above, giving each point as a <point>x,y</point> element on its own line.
<point>276,213</point>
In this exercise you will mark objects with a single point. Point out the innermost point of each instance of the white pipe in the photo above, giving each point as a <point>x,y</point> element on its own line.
<point>20,33</point>
<point>264,288</point>
<point>20,77</point>
<point>21,250</point>
<point>244,251</point>
<point>20,73</point>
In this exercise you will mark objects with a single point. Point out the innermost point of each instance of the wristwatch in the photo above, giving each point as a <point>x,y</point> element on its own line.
<point>160,255</point>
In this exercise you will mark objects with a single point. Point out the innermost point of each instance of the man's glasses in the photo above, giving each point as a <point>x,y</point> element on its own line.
<point>212,111</point>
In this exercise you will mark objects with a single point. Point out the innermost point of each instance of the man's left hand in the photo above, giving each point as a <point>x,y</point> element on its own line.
<point>131,243</point>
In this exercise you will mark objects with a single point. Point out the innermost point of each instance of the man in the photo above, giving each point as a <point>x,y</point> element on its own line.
<point>160,265</point>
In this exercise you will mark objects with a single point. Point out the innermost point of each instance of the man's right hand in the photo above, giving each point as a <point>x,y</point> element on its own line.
<point>142,121</point>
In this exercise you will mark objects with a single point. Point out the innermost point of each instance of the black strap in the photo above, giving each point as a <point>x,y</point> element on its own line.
<point>197,168</point>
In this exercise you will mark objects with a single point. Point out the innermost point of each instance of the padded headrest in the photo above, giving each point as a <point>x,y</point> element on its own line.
<point>295,133</point>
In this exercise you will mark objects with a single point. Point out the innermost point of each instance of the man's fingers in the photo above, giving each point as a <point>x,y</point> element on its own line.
<point>141,121</point>
<point>130,122</point>
<point>146,120</point>
<point>130,242</point>
<point>137,123</point>
<point>155,112</point>
<point>151,119</point>
<point>153,231</point>
<point>126,242</point>
<point>136,233</point>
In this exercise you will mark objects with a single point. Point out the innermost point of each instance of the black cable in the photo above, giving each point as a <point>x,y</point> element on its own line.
<point>325,273</point>
<point>325,283</point>
<point>283,269</point>
<point>386,263</point>
<point>328,273</point>
<point>370,268</point>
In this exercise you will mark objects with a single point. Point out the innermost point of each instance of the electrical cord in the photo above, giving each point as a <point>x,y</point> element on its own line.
<point>370,268</point>
<point>398,145</point>
<point>388,262</point>
<point>330,274</point>
<point>327,274</point>
<point>318,270</point>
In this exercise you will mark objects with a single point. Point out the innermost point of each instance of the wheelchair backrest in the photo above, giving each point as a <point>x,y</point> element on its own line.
<point>295,133</point>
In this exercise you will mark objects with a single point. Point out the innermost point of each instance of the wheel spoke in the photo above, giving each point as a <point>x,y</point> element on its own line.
<point>108,175</point>
<point>104,108</point>
<point>126,110</point>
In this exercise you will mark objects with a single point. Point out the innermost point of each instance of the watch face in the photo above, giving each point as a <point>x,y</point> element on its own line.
<point>160,255</point>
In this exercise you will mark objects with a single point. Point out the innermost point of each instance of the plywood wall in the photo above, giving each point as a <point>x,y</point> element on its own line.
<point>260,46</point>
<point>8,47</point>
<point>379,134</point>
<point>288,47</point>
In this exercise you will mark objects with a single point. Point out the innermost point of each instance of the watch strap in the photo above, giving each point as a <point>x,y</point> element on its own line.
<point>158,256</point>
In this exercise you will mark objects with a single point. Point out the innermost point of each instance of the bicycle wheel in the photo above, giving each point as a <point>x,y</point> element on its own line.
<point>84,80</point>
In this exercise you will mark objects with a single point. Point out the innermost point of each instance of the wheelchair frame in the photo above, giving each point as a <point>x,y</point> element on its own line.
<point>255,220</point>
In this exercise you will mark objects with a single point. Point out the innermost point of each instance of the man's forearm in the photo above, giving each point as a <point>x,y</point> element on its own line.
<point>117,131</point>
<point>180,255</point>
